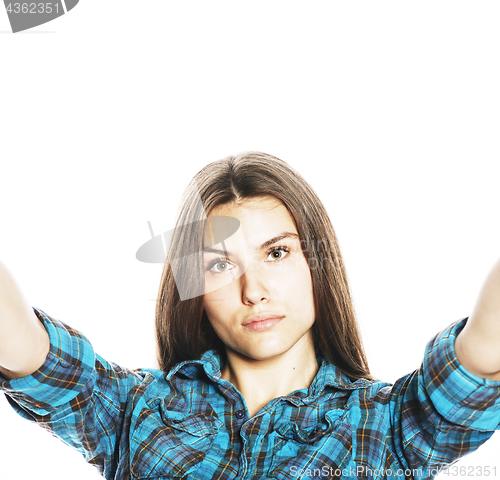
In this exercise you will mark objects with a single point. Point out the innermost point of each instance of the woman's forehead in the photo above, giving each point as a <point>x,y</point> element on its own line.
<point>257,215</point>
<point>263,202</point>
<point>259,220</point>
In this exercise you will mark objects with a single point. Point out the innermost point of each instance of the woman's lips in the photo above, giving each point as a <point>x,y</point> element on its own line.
<point>263,324</point>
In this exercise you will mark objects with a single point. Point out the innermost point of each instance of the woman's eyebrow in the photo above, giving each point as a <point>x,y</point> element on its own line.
<point>266,244</point>
<point>279,237</point>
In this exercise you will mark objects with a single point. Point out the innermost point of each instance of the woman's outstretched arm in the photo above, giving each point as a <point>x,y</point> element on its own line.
<point>478,345</point>
<point>69,389</point>
<point>24,342</point>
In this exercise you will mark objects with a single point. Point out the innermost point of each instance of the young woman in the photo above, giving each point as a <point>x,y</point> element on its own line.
<point>262,370</point>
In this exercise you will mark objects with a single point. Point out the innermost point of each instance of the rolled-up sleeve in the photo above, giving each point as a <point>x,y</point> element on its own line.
<point>442,412</point>
<point>67,369</point>
<point>80,397</point>
<point>459,396</point>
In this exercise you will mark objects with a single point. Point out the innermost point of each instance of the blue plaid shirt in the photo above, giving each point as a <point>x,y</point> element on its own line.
<point>190,423</point>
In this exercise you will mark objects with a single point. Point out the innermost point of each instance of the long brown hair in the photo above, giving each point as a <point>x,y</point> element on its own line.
<point>183,331</point>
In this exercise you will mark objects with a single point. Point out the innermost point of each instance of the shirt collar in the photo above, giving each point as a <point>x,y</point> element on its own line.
<point>330,375</point>
<point>211,363</point>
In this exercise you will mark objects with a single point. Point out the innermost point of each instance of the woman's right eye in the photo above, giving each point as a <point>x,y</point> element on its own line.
<point>219,266</point>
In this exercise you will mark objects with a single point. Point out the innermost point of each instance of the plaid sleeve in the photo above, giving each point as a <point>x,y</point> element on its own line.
<point>459,396</point>
<point>442,412</point>
<point>79,397</point>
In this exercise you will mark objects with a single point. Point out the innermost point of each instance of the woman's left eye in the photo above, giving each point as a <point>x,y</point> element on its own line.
<point>278,253</point>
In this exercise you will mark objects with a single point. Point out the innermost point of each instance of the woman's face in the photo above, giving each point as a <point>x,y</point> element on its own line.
<point>259,273</point>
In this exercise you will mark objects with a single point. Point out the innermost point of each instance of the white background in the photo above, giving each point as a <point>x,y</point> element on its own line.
<point>390,110</point>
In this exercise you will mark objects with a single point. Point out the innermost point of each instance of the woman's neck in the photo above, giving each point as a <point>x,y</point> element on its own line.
<point>260,381</point>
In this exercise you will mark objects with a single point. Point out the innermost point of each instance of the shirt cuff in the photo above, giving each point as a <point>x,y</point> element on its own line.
<point>457,394</point>
<point>67,369</point>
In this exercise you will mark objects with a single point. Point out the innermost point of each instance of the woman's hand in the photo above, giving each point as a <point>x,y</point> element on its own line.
<point>478,345</point>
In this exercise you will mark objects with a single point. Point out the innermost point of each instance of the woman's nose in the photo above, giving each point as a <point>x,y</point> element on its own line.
<point>254,286</point>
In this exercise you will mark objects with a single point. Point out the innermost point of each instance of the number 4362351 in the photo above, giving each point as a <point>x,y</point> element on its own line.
<point>33,8</point>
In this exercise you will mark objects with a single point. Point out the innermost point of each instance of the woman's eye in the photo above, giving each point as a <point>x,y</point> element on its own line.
<point>278,253</point>
<point>220,266</point>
